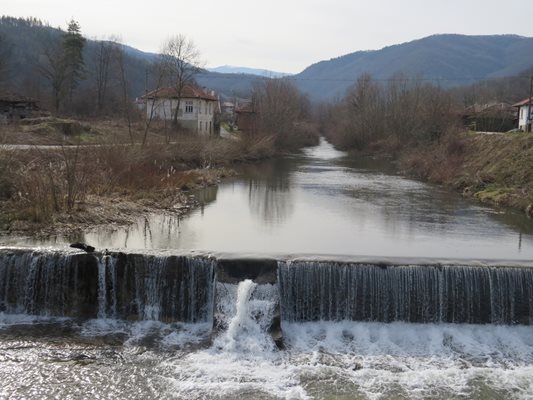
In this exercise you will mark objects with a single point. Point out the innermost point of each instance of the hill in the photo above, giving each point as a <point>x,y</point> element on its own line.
<point>230,69</point>
<point>453,60</point>
<point>24,42</point>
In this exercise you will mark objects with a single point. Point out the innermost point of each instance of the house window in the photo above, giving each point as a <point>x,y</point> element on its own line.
<point>521,113</point>
<point>210,127</point>
<point>200,126</point>
<point>188,106</point>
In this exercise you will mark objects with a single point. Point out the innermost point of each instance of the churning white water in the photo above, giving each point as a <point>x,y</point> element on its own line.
<point>352,360</point>
<point>243,360</point>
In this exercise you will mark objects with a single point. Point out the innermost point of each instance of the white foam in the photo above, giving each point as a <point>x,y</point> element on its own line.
<point>7,320</point>
<point>417,359</point>
<point>167,336</point>
<point>243,358</point>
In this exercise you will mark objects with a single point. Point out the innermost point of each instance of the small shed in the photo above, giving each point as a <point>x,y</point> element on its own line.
<point>14,107</point>
<point>246,118</point>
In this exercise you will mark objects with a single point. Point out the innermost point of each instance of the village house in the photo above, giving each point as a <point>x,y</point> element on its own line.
<point>197,108</point>
<point>14,107</point>
<point>525,107</point>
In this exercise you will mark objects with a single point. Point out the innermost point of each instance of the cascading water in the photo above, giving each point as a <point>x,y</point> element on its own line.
<point>119,285</point>
<point>243,358</point>
<point>47,283</point>
<point>312,291</point>
<point>349,329</point>
<point>248,317</point>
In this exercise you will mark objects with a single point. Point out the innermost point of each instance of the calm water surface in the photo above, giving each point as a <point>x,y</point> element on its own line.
<point>322,202</point>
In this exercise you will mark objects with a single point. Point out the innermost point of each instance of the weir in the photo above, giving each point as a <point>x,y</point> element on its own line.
<point>116,285</point>
<point>184,287</point>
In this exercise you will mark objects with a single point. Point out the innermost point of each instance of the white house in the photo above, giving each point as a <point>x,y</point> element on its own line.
<point>197,107</point>
<point>523,109</point>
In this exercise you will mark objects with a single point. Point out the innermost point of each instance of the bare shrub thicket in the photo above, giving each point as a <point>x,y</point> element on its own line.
<point>46,182</point>
<point>284,114</point>
<point>39,183</point>
<point>399,112</point>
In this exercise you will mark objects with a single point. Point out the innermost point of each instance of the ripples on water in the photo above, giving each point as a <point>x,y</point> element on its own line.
<point>109,359</point>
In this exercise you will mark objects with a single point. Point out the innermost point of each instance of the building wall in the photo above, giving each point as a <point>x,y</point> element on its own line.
<point>522,117</point>
<point>200,120</point>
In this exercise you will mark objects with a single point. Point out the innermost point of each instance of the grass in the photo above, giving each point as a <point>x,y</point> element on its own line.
<point>496,169</point>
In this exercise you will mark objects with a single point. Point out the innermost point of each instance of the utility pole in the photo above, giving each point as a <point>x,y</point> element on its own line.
<point>529,119</point>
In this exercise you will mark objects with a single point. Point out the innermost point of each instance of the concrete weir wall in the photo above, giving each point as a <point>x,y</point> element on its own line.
<point>175,286</point>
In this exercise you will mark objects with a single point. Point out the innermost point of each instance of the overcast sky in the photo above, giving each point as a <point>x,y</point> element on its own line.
<point>280,35</point>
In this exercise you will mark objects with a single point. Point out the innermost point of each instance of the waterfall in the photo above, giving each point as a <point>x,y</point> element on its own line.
<point>313,291</point>
<point>46,283</point>
<point>245,313</point>
<point>172,288</point>
<point>117,285</point>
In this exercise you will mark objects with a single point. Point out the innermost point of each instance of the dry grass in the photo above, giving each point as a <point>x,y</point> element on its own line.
<point>38,184</point>
<point>496,169</point>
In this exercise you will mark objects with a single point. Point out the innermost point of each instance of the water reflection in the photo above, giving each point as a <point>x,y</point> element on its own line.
<point>323,201</point>
<point>269,190</point>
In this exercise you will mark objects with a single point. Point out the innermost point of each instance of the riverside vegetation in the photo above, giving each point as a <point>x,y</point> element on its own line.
<point>63,188</point>
<point>417,126</point>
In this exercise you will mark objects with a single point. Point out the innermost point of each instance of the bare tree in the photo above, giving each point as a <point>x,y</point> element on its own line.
<point>124,85</point>
<point>181,61</point>
<point>53,68</point>
<point>280,112</point>
<point>152,104</point>
<point>101,62</point>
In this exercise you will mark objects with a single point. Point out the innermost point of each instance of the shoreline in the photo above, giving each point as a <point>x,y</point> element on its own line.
<point>117,210</point>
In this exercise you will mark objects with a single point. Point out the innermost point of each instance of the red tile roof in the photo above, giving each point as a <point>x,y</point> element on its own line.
<point>188,92</point>
<point>523,103</point>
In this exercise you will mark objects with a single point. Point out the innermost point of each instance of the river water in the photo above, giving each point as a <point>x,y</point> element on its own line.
<point>319,202</point>
<point>323,202</point>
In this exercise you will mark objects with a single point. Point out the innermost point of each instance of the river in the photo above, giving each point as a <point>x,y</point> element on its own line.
<point>323,202</point>
<point>141,324</point>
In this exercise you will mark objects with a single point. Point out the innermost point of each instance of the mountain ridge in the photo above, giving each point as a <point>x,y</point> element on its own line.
<point>453,59</point>
<point>450,60</point>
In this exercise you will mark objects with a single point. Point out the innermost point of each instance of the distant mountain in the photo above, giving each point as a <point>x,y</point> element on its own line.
<point>229,69</point>
<point>27,40</point>
<point>452,60</point>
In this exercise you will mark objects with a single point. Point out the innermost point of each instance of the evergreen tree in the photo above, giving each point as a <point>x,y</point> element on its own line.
<point>73,44</point>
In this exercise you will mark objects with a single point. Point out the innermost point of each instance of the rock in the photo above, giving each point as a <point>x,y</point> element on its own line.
<point>529,211</point>
<point>83,246</point>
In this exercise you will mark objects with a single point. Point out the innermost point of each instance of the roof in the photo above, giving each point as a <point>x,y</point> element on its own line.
<point>523,102</point>
<point>10,97</point>
<point>489,107</point>
<point>188,92</point>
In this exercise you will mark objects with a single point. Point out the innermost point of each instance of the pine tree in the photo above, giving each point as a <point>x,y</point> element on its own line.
<point>73,44</point>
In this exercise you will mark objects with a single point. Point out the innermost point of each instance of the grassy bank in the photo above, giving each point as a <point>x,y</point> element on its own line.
<point>495,169</point>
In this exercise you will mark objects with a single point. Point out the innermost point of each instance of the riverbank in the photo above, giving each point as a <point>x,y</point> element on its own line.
<point>65,190</point>
<point>494,169</point>
<point>114,210</point>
